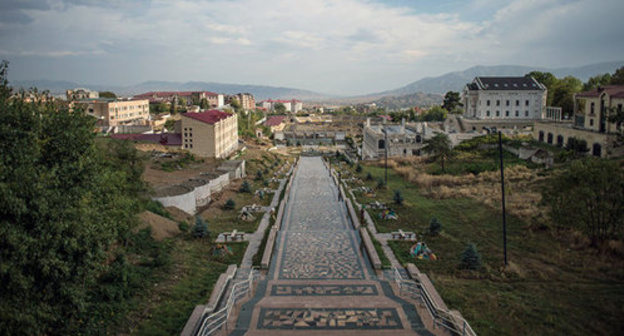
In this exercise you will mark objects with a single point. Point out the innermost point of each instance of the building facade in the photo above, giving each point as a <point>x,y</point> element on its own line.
<point>504,98</point>
<point>211,133</point>
<point>292,106</point>
<point>116,112</point>
<point>81,93</point>
<point>591,124</point>
<point>395,140</point>
<point>246,100</point>
<point>214,100</point>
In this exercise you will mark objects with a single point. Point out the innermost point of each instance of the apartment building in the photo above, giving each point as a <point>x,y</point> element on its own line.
<point>115,112</point>
<point>191,97</point>
<point>246,100</point>
<point>210,133</point>
<point>292,105</point>
<point>81,93</point>
<point>591,124</point>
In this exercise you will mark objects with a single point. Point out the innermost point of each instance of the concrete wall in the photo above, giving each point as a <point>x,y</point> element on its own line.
<point>565,131</point>
<point>184,202</point>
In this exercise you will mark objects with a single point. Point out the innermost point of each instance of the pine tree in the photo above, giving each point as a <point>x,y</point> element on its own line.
<point>398,197</point>
<point>245,187</point>
<point>381,183</point>
<point>200,230</point>
<point>358,169</point>
<point>470,258</point>
<point>230,204</point>
<point>435,226</point>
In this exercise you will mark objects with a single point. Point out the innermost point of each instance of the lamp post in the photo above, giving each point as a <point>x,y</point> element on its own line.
<point>502,171</point>
<point>386,148</point>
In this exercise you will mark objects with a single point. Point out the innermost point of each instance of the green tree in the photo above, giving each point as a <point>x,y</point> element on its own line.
<point>358,168</point>
<point>577,146</point>
<point>548,79</point>
<point>245,187</point>
<point>64,207</point>
<point>235,104</point>
<point>436,113</point>
<point>381,183</point>
<point>200,230</point>
<point>596,81</point>
<point>369,176</point>
<point>435,227</point>
<point>107,94</point>
<point>452,100</point>
<point>398,197</point>
<point>259,176</point>
<point>588,196</point>
<point>618,77</point>
<point>439,147</point>
<point>470,258</point>
<point>563,93</point>
<point>204,104</point>
<point>279,108</point>
<point>230,204</point>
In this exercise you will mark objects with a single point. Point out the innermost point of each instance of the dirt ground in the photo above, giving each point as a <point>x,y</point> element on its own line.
<point>158,178</point>
<point>161,227</point>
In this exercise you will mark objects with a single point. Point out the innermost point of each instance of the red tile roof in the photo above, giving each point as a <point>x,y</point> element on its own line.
<point>209,117</point>
<point>275,120</point>
<point>614,91</point>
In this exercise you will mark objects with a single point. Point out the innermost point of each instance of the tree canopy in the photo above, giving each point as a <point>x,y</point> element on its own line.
<point>64,207</point>
<point>107,94</point>
<point>439,146</point>
<point>452,101</point>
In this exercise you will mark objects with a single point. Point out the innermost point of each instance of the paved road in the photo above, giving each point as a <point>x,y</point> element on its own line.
<point>319,281</point>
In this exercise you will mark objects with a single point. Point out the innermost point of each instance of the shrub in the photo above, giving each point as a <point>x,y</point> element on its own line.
<point>259,176</point>
<point>470,258</point>
<point>381,183</point>
<point>358,169</point>
<point>245,187</point>
<point>398,197</point>
<point>369,177</point>
<point>183,226</point>
<point>229,204</point>
<point>435,226</point>
<point>200,230</point>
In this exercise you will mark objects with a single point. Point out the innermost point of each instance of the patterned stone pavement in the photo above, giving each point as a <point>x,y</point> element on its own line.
<point>319,278</point>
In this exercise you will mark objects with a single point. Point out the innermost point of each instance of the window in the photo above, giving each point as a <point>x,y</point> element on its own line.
<point>488,103</point>
<point>526,113</point>
<point>517,103</point>
<point>517,113</point>
<point>526,102</point>
<point>498,113</point>
<point>498,103</point>
<point>591,122</point>
<point>487,113</point>
<point>506,113</point>
<point>507,103</point>
<point>591,108</point>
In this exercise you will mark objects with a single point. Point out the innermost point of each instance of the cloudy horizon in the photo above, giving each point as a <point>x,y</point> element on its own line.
<point>342,47</point>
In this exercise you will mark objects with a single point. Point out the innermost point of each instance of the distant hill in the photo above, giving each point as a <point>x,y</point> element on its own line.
<point>260,92</point>
<point>455,81</point>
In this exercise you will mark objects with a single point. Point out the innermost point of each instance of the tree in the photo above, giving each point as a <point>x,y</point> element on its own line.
<point>259,176</point>
<point>230,204</point>
<point>235,104</point>
<point>435,227</point>
<point>546,78</point>
<point>245,187</point>
<point>358,168</point>
<point>577,146</point>
<point>381,183</point>
<point>618,77</point>
<point>369,176</point>
<point>588,197</point>
<point>200,230</point>
<point>436,113</point>
<point>452,100</point>
<point>64,209</point>
<point>596,81</point>
<point>616,115</point>
<point>279,108</point>
<point>107,94</point>
<point>439,147</point>
<point>204,104</point>
<point>470,258</point>
<point>563,93</point>
<point>170,125</point>
<point>398,197</point>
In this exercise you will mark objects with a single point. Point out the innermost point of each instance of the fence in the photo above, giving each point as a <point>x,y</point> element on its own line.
<point>441,317</point>
<point>219,319</point>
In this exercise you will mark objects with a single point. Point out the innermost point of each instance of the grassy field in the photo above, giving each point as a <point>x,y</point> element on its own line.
<point>553,285</point>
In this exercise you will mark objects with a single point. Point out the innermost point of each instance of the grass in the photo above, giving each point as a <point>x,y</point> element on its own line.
<point>550,288</point>
<point>188,284</point>
<point>385,262</point>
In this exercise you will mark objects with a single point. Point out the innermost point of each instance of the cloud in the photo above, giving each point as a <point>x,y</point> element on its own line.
<point>363,45</point>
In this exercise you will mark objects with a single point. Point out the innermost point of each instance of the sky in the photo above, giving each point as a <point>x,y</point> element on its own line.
<point>342,47</point>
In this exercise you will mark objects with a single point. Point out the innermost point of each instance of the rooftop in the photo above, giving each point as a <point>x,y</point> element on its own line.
<point>275,120</point>
<point>614,91</point>
<point>505,83</point>
<point>209,117</point>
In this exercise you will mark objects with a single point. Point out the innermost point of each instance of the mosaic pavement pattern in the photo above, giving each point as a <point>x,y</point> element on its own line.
<point>324,290</point>
<point>320,255</point>
<point>372,318</point>
<point>313,219</point>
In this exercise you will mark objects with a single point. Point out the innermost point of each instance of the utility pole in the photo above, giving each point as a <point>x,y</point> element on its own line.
<point>502,171</point>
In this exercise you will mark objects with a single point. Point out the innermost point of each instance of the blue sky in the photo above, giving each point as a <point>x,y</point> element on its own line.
<point>330,46</point>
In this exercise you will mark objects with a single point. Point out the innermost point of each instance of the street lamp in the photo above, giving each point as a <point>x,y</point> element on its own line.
<point>386,148</point>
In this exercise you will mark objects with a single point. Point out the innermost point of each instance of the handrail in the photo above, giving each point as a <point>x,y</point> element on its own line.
<point>215,321</point>
<point>440,316</point>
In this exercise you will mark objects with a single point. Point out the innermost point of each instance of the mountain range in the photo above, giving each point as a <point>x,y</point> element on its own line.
<point>422,92</point>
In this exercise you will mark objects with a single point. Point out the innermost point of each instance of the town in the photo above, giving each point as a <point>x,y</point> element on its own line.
<point>305,168</point>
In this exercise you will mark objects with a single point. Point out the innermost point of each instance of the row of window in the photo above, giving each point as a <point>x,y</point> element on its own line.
<point>507,102</point>
<point>498,113</point>
<point>126,108</point>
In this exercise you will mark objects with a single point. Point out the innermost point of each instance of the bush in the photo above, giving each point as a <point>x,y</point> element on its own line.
<point>200,230</point>
<point>229,204</point>
<point>381,183</point>
<point>435,226</point>
<point>398,197</point>
<point>369,177</point>
<point>245,187</point>
<point>470,258</point>
<point>358,169</point>
<point>183,226</point>
<point>259,176</point>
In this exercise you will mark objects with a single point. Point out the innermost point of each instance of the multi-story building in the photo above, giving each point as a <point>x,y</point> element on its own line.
<point>246,100</point>
<point>292,106</point>
<point>211,133</point>
<point>191,97</point>
<point>115,112</point>
<point>393,140</point>
<point>81,93</point>
<point>504,101</point>
<point>591,110</point>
